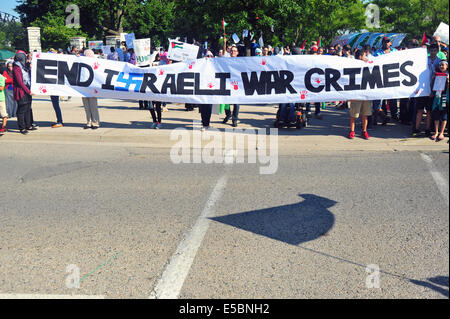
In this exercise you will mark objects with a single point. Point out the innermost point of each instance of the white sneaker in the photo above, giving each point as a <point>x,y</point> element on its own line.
<point>158,126</point>
<point>154,125</point>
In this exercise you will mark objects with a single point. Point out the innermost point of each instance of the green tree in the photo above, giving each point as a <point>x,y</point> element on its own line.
<point>154,19</point>
<point>290,20</point>
<point>14,36</point>
<point>413,17</point>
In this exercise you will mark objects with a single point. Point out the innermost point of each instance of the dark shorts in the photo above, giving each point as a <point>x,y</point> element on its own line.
<point>424,102</point>
<point>440,115</point>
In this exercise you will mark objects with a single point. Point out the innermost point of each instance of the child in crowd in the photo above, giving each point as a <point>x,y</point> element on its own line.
<point>439,111</point>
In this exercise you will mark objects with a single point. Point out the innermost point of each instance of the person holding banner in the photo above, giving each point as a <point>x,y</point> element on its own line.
<point>362,107</point>
<point>235,116</point>
<point>90,104</point>
<point>22,93</point>
<point>156,116</point>
<point>426,102</point>
<point>440,108</point>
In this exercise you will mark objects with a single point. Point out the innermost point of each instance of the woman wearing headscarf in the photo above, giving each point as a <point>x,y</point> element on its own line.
<point>11,104</point>
<point>90,104</point>
<point>22,93</point>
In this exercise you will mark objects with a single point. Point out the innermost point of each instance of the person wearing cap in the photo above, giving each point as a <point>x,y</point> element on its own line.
<point>258,52</point>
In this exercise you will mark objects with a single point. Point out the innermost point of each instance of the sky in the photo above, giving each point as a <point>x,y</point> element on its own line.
<point>8,6</point>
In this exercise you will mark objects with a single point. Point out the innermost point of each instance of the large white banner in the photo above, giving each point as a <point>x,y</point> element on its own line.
<point>142,51</point>
<point>242,80</point>
<point>180,51</point>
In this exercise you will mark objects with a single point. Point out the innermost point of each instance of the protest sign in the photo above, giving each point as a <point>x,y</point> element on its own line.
<point>180,51</point>
<point>95,45</point>
<point>142,51</point>
<point>439,82</point>
<point>243,80</point>
<point>129,38</point>
<point>106,49</point>
<point>442,31</point>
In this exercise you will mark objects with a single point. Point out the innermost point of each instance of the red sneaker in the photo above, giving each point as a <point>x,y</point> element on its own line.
<point>351,135</point>
<point>365,135</point>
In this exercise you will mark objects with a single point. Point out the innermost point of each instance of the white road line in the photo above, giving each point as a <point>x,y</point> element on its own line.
<point>44,296</point>
<point>440,181</point>
<point>176,271</point>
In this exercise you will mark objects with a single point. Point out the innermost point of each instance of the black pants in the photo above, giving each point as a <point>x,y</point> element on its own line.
<point>392,107</point>
<point>205,110</point>
<point>406,113</point>
<point>156,116</point>
<point>235,115</point>
<point>143,104</point>
<point>24,113</point>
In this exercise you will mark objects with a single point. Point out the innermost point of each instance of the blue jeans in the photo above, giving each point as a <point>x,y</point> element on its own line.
<point>235,112</point>
<point>283,112</point>
<point>316,105</point>
<point>55,103</point>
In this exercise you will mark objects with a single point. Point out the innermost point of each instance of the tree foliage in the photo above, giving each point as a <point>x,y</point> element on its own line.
<point>413,17</point>
<point>277,21</point>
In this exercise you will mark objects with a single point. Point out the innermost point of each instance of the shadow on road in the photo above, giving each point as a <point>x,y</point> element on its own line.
<point>293,224</point>
<point>434,284</point>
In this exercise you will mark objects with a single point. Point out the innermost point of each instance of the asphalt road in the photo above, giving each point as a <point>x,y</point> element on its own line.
<point>137,225</point>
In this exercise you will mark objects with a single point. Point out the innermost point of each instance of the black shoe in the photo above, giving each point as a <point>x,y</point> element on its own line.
<point>225,119</point>
<point>24,132</point>
<point>86,127</point>
<point>32,128</point>
<point>415,133</point>
<point>234,123</point>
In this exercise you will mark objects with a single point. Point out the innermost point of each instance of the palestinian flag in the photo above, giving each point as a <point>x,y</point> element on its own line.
<point>177,45</point>
<point>425,39</point>
<point>224,24</point>
<point>319,42</point>
<point>303,45</point>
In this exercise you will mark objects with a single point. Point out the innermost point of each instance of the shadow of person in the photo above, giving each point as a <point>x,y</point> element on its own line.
<point>434,284</point>
<point>293,224</point>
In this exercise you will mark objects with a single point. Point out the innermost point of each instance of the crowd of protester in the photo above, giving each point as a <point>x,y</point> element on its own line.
<point>16,97</point>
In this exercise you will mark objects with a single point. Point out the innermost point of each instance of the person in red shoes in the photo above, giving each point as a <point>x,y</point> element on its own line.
<point>358,107</point>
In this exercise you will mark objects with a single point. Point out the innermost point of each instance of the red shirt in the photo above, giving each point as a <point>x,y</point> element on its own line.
<point>8,80</point>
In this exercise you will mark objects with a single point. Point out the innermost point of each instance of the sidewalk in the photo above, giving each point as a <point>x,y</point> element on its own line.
<point>122,123</point>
